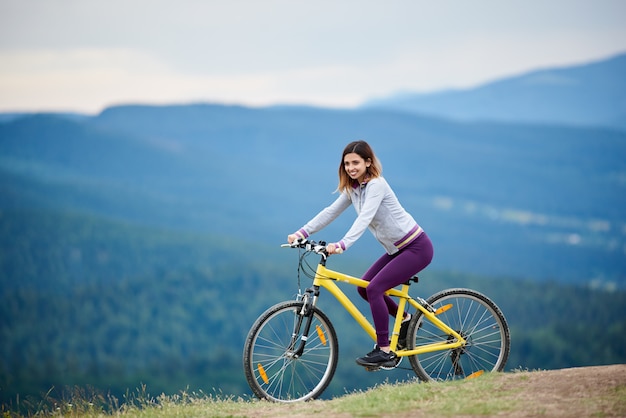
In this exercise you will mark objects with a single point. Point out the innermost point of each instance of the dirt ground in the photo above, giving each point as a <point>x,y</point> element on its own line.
<point>598,391</point>
<point>576,392</point>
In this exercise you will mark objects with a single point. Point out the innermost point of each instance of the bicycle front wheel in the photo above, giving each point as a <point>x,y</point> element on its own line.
<point>477,319</point>
<point>274,369</point>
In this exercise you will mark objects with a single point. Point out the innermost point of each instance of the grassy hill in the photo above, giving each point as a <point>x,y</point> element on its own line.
<point>591,391</point>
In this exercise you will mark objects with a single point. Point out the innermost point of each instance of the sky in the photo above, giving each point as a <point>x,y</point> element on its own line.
<point>85,55</point>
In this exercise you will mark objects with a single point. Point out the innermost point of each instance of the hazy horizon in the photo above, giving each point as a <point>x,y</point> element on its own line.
<point>78,56</point>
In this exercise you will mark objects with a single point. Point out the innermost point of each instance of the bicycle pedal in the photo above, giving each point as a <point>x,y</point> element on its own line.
<point>396,361</point>
<point>372,368</point>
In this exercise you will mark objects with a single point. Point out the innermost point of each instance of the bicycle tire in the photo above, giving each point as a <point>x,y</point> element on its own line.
<point>478,319</point>
<point>272,372</point>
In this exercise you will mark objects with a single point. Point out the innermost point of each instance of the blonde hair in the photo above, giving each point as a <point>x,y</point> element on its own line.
<point>363,149</point>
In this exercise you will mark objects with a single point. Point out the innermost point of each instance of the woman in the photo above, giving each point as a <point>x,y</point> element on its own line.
<point>408,248</point>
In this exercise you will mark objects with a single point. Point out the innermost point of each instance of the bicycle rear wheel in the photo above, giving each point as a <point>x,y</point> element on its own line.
<point>273,369</point>
<point>478,320</point>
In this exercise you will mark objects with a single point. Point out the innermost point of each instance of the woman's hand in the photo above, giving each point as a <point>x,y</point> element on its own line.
<point>291,238</point>
<point>334,249</point>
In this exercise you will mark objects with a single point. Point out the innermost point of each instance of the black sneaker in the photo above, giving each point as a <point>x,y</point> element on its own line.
<point>377,358</point>
<point>404,328</point>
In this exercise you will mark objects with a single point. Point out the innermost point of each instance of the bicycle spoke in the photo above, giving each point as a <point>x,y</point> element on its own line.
<point>271,344</point>
<point>478,321</point>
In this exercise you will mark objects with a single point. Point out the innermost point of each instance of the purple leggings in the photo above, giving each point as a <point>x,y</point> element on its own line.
<point>390,271</point>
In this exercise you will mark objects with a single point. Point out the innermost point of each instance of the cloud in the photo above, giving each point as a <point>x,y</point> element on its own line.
<point>71,54</point>
<point>89,79</point>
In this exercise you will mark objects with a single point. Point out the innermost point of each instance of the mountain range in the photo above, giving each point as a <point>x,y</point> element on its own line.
<point>590,94</point>
<point>538,199</point>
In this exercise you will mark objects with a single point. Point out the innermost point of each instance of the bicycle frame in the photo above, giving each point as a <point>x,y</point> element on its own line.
<point>291,352</point>
<point>326,278</point>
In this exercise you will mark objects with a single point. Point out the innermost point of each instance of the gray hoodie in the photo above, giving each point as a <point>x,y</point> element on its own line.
<point>378,209</point>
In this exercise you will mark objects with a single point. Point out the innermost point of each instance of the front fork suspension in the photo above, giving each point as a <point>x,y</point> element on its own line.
<point>303,318</point>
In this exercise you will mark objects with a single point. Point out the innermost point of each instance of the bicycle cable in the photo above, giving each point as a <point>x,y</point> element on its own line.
<point>304,267</point>
<point>300,256</point>
<point>310,273</point>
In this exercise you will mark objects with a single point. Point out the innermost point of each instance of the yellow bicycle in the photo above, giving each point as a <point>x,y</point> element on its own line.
<point>291,351</point>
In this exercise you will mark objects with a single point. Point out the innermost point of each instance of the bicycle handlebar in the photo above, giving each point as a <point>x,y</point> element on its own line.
<point>312,246</point>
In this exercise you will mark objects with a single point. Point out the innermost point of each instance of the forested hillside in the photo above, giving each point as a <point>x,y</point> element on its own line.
<point>96,303</point>
<point>139,245</point>
<point>521,200</point>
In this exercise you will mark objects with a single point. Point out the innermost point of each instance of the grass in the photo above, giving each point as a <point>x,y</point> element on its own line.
<point>446,399</point>
<point>488,395</point>
<point>429,399</point>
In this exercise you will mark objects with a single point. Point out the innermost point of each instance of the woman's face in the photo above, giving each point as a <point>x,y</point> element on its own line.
<point>355,166</point>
